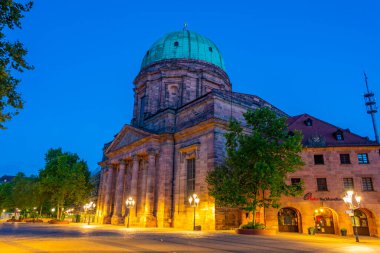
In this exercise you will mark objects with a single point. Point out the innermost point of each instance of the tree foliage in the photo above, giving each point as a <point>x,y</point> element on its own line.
<point>12,59</point>
<point>6,198</point>
<point>259,157</point>
<point>65,179</point>
<point>25,191</point>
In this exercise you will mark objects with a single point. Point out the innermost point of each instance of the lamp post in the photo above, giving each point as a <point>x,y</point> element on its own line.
<point>194,201</point>
<point>353,203</point>
<point>87,208</point>
<point>52,212</point>
<point>130,202</point>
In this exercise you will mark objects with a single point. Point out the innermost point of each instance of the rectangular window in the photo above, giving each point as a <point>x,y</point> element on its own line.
<point>295,180</point>
<point>345,159</point>
<point>190,164</point>
<point>348,183</point>
<point>322,184</point>
<point>363,158</point>
<point>318,159</point>
<point>142,110</point>
<point>367,184</point>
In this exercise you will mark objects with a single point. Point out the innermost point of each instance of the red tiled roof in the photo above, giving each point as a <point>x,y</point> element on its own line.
<point>321,133</point>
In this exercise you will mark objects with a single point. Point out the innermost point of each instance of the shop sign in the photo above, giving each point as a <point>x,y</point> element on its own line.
<point>309,196</point>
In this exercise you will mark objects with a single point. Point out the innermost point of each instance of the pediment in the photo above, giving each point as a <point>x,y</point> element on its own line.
<point>125,137</point>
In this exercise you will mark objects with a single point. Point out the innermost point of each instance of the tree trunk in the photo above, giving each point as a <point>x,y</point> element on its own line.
<point>264,219</point>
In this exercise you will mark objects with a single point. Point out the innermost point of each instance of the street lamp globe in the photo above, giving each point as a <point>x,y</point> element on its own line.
<point>353,203</point>
<point>194,201</point>
<point>130,202</point>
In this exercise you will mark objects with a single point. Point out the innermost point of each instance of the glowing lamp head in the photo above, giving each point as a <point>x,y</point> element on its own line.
<point>130,202</point>
<point>358,199</point>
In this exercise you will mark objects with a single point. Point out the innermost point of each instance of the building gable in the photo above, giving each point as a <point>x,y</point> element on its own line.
<point>125,137</point>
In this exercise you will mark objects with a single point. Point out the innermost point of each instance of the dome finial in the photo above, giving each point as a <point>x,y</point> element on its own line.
<point>185,26</point>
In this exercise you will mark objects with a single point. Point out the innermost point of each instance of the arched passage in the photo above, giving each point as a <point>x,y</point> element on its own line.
<point>365,222</point>
<point>325,221</point>
<point>289,220</point>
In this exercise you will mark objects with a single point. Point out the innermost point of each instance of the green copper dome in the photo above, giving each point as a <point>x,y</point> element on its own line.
<point>183,45</point>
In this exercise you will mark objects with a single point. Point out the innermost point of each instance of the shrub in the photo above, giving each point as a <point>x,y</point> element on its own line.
<point>251,225</point>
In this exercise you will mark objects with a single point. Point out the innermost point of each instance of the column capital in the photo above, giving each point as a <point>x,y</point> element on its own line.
<point>111,166</point>
<point>135,157</point>
<point>122,161</point>
<point>152,151</point>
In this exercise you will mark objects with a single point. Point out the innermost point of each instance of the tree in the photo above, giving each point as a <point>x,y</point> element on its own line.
<point>6,199</point>
<point>65,179</point>
<point>259,157</point>
<point>25,192</point>
<point>12,59</point>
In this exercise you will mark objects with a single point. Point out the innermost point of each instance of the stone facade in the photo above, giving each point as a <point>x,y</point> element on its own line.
<point>181,111</point>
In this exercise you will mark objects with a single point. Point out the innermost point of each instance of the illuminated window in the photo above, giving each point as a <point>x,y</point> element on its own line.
<point>339,135</point>
<point>363,158</point>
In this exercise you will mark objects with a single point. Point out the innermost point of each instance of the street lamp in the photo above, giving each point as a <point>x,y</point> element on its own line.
<point>52,211</point>
<point>130,202</point>
<point>353,203</point>
<point>194,201</point>
<point>88,207</point>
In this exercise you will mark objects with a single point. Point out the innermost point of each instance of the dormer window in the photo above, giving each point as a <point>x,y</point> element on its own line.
<point>308,122</point>
<point>176,44</point>
<point>147,52</point>
<point>210,49</point>
<point>339,135</point>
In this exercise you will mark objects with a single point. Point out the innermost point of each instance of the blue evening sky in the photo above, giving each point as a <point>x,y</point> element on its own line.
<point>301,56</point>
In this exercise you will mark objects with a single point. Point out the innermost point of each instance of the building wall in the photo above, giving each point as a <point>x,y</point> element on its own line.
<point>334,172</point>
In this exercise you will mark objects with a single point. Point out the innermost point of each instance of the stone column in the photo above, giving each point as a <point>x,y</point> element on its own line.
<point>150,188</point>
<point>135,171</point>
<point>107,196</point>
<point>117,217</point>
<point>141,202</point>
<point>99,204</point>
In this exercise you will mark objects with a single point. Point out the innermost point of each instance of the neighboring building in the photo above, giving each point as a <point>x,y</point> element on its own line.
<point>6,179</point>
<point>182,105</point>
<point>336,161</point>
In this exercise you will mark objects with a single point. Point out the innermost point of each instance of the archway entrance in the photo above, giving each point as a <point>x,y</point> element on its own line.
<point>324,221</point>
<point>288,220</point>
<point>361,222</point>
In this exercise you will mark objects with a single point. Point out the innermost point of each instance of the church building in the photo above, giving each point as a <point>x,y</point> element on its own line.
<point>183,101</point>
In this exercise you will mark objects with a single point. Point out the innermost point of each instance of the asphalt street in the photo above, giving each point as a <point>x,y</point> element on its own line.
<point>106,238</point>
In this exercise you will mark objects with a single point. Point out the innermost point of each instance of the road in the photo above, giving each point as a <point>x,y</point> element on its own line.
<point>106,238</point>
